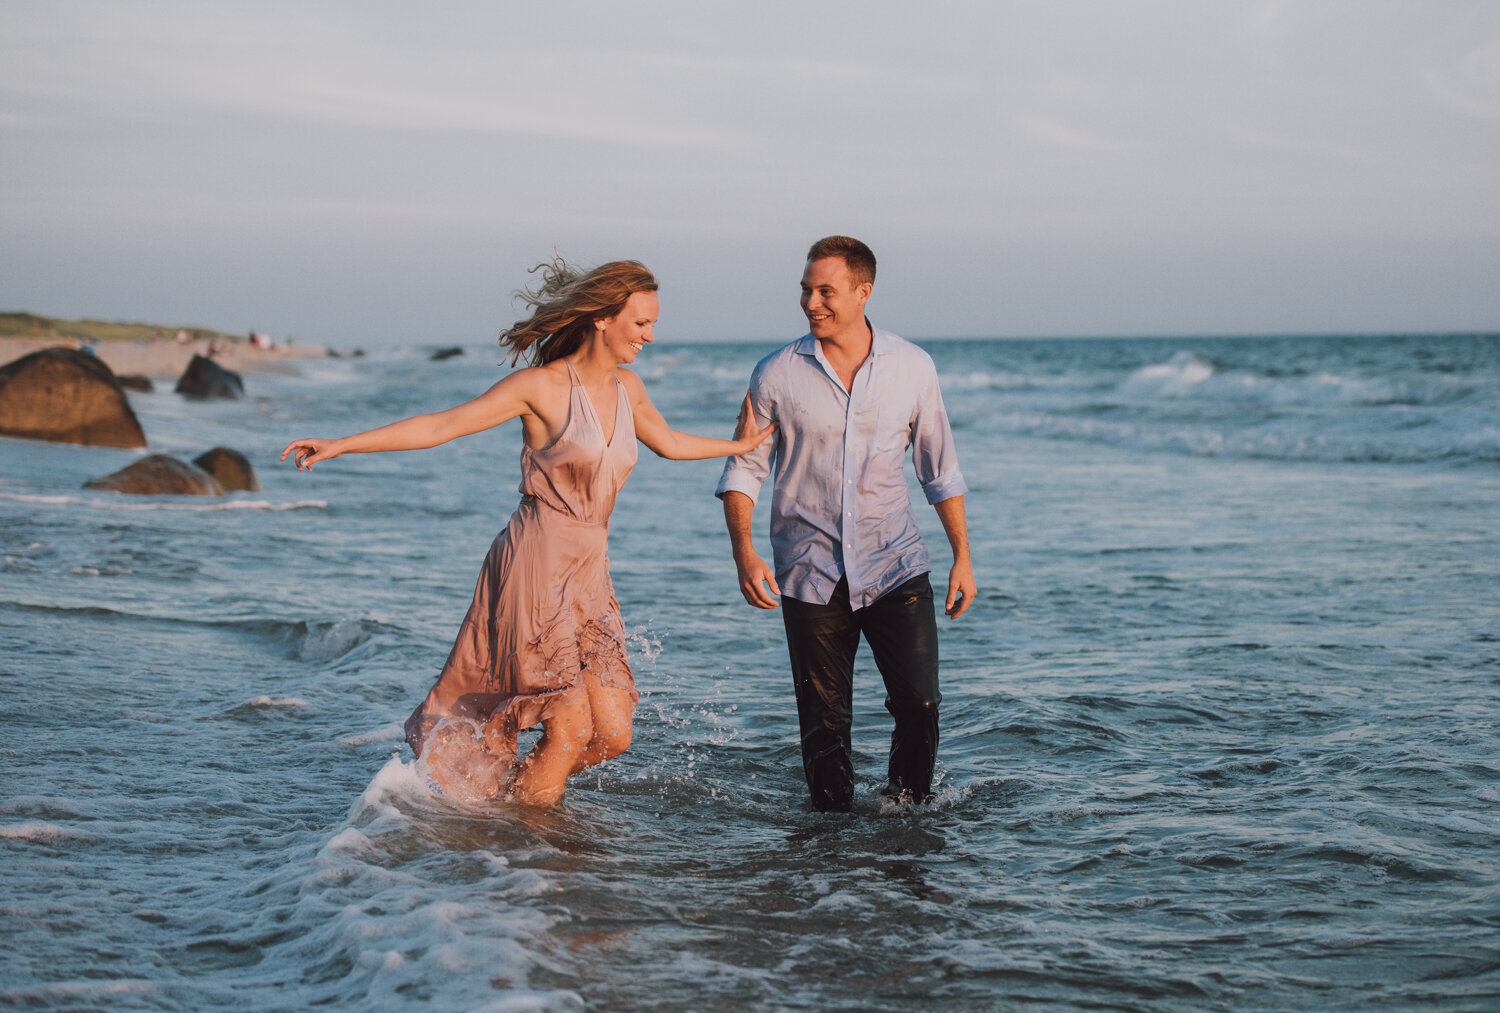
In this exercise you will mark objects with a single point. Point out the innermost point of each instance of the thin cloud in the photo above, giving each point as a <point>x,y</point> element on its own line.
<point>1055,133</point>
<point>1470,84</point>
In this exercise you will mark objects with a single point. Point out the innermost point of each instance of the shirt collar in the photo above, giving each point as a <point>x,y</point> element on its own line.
<point>880,342</point>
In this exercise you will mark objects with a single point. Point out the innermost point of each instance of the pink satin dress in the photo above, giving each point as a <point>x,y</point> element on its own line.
<point>544,612</point>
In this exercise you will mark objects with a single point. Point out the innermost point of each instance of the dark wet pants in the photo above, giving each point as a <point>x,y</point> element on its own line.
<point>901,629</point>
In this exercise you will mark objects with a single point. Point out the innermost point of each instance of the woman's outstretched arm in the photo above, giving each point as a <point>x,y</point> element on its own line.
<point>664,441</point>
<point>513,396</point>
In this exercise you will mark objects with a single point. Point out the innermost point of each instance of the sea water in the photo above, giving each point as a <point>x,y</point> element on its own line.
<point>1219,731</point>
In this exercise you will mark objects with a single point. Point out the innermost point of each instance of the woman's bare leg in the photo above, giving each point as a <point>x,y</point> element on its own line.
<point>567,728</point>
<point>612,709</point>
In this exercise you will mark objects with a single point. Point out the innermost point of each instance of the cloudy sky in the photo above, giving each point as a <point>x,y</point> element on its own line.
<point>371,172</point>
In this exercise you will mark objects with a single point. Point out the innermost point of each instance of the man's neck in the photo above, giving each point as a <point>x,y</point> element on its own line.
<point>847,350</point>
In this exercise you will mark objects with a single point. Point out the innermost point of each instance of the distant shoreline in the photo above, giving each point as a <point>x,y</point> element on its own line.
<point>145,349</point>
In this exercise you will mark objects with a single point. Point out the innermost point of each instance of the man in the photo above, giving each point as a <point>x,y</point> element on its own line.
<point>848,400</point>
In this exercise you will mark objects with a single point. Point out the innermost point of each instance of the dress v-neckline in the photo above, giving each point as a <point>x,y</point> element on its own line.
<point>609,438</point>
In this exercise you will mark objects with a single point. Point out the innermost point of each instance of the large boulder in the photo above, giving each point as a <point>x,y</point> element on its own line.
<point>206,378</point>
<point>67,396</point>
<point>159,475</point>
<point>230,467</point>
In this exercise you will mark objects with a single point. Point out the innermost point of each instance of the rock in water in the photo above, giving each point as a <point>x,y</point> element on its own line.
<point>134,381</point>
<point>445,353</point>
<point>206,378</point>
<point>230,467</point>
<point>159,475</point>
<point>66,396</point>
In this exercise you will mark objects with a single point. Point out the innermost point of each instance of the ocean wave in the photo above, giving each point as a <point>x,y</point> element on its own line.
<point>392,732</point>
<point>118,502</point>
<point>1173,378</point>
<point>78,994</point>
<point>980,379</point>
<point>274,702</point>
<point>324,641</point>
<point>315,640</point>
<point>39,832</point>
<point>1189,376</point>
<point>1350,441</point>
<point>266,708</point>
<point>398,781</point>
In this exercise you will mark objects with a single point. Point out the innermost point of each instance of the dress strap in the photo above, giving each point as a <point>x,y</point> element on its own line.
<point>573,373</point>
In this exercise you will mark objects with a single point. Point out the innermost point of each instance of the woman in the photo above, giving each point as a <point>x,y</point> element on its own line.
<point>543,642</point>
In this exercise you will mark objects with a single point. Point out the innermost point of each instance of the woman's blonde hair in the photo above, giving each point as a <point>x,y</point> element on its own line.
<point>566,304</point>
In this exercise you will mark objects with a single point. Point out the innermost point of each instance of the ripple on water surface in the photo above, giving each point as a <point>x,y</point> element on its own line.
<point>1218,733</point>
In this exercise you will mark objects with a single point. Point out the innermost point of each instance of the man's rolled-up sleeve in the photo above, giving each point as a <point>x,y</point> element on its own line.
<point>748,472</point>
<point>933,453</point>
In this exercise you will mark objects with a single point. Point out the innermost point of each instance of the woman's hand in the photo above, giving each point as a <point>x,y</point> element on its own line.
<point>310,451</point>
<point>747,435</point>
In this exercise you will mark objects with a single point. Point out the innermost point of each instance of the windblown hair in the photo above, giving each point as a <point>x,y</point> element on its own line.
<point>566,304</point>
<point>855,255</point>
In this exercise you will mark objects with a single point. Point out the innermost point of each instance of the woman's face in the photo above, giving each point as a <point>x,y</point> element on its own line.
<point>628,331</point>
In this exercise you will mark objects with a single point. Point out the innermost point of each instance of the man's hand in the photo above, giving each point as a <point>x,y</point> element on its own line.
<point>961,590</point>
<point>755,575</point>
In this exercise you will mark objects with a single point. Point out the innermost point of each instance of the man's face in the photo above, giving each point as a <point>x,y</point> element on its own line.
<point>834,304</point>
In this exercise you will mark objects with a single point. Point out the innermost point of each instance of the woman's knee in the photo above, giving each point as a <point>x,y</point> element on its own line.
<point>570,725</point>
<point>612,735</point>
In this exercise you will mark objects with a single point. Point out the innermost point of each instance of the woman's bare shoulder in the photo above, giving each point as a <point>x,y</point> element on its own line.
<point>634,385</point>
<point>545,378</point>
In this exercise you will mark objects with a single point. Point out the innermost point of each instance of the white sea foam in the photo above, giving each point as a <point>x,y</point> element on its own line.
<point>695,966</point>
<point>995,380</point>
<point>392,732</point>
<point>40,832</point>
<point>842,901</point>
<point>275,701</point>
<point>1188,376</point>
<point>1174,378</point>
<point>349,841</point>
<point>397,782</point>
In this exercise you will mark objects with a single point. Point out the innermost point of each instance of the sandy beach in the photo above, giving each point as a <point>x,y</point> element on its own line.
<point>166,359</point>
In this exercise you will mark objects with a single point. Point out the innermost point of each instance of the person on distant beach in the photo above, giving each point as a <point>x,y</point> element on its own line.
<point>848,400</point>
<point>543,641</point>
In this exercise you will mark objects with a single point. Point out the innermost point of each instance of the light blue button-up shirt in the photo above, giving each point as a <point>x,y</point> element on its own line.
<point>840,505</point>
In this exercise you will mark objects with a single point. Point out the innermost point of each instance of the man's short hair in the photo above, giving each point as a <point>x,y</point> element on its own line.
<point>855,255</point>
